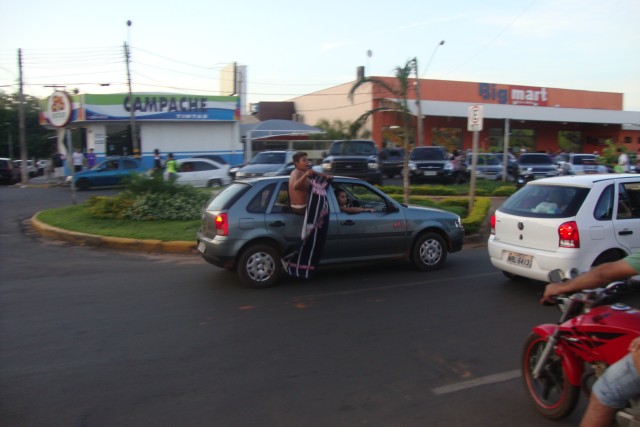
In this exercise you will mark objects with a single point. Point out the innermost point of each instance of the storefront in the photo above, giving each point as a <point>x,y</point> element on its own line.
<point>182,124</point>
<point>524,117</point>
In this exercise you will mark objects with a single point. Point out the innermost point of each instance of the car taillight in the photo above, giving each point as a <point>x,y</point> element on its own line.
<point>569,235</point>
<point>493,224</point>
<point>222,225</point>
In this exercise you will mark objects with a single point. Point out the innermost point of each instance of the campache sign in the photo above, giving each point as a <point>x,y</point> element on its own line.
<point>59,109</point>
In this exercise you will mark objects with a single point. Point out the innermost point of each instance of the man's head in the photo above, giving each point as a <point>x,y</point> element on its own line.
<point>300,160</point>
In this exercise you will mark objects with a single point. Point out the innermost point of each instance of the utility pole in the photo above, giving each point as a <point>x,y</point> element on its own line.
<point>21,132</point>
<point>132,114</point>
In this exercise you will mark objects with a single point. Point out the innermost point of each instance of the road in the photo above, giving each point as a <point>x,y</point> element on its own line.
<point>92,337</point>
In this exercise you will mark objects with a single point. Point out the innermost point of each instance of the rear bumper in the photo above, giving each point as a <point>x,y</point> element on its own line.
<point>542,261</point>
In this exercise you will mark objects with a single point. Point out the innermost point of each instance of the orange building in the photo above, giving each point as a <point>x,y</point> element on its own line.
<point>522,117</point>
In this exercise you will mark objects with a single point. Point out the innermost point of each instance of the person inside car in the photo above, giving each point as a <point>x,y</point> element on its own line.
<point>341,195</point>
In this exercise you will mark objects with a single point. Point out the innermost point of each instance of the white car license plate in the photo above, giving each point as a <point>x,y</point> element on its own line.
<point>519,259</point>
<point>431,173</point>
<point>201,247</point>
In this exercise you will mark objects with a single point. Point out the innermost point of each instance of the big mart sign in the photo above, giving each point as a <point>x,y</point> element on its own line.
<point>514,95</point>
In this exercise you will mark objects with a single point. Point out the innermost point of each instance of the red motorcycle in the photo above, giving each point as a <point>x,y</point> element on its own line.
<point>559,360</point>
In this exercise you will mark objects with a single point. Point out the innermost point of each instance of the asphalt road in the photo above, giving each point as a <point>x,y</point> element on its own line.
<point>93,337</point>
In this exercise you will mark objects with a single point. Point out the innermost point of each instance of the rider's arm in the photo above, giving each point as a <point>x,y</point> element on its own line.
<point>597,276</point>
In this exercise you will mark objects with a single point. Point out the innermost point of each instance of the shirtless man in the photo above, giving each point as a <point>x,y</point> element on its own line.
<point>299,183</point>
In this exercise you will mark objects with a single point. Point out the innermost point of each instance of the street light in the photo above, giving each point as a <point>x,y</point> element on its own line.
<point>418,97</point>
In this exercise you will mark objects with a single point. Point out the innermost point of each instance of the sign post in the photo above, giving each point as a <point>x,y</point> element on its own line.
<point>474,124</point>
<point>59,111</point>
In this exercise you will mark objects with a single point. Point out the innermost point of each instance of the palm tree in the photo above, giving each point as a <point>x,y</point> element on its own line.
<point>399,91</point>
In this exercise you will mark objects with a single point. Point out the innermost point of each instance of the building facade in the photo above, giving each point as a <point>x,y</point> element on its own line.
<point>182,124</point>
<point>518,117</point>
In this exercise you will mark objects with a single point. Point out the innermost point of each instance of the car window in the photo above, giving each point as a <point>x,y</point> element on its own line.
<point>359,196</point>
<point>203,166</point>
<point>604,208</point>
<point>186,167</point>
<point>267,158</point>
<point>361,148</point>
<point>260,201</point>
<point>428,154</point>
<point>282,199</point>
<point>227,197</point>
<point>129,164</point>
<point>536,159</point>
<point>628,201</point>
<point>545,201</point>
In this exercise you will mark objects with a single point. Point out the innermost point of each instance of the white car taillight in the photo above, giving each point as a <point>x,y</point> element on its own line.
<point>493,224</point>
<point>569,235</point>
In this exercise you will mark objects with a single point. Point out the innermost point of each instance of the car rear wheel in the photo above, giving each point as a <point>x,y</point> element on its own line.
<point>512,276</point>
<point>429,252</point>
<point>214,183</point>
<point>260,266</point>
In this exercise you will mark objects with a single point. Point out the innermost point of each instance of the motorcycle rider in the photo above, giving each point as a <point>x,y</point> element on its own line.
<point>621,381</point>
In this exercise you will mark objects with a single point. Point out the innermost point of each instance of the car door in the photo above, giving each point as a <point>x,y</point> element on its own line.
<point>187,173</point>
<point>626,222</point>
<point>365,235</point>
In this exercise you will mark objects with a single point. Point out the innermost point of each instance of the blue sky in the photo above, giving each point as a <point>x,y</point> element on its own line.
<point>293,47</point>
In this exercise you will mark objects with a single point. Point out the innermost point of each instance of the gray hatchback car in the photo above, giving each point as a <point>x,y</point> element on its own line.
<point>249,227</point>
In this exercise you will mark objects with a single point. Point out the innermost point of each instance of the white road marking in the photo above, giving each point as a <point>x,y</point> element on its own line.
<point>489,379</point>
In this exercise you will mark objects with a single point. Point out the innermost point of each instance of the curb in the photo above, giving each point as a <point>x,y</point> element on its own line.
<point>120,243</point>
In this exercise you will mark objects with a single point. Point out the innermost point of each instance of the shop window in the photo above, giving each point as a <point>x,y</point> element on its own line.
<point>627,140</point>
<point>450,138</point>
<point>570,141</point>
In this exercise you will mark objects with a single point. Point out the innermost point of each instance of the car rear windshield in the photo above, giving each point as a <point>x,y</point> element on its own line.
<point>429,154</point>
<point>545,201</point>
<point>227,197</point>
<point>353,148</point>
<point>587,159</point>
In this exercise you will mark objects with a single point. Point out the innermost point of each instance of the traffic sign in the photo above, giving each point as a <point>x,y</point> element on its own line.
<point>474,122</point>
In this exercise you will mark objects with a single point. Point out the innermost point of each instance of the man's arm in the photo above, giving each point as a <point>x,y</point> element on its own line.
<point>597,276</point>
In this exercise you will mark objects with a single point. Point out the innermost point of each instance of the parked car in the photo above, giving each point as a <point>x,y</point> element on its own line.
<point>578,164</point>
<point>8,174</point>
<point>487,166</point>
<point>540,165</point>
<point>216,158</point>
<point>44,166</point>
<point>109,172</point>
<point>431,163</point>
<point>202,172</point>
<point>513,170</point>
<point>566,222</point>
<point>391,161</point>
<point>267,163</point>
<point>32,170</point>
<point>249,227</point>
<point>356,158</point>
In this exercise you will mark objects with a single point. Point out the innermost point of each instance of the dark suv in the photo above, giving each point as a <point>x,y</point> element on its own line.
<point>391,161</point>
<point>430,164</point>
<point>357,158</point>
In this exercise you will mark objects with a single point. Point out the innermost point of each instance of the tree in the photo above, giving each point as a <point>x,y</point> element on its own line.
<point>36,136</point>
<point>399,90</point>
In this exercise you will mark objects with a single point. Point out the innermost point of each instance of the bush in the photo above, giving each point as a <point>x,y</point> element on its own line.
<point>504,191</point>
<point>474,220</point>
<point>149,199</point>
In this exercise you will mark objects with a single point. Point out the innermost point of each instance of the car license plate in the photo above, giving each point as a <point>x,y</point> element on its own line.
<point>430,173</point>
<point>201,247</point>
<point>519,259</point>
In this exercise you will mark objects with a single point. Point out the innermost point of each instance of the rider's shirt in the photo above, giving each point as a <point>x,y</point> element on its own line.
<point>634,260</point>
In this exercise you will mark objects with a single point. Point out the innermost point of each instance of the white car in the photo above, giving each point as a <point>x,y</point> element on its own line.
<point>202,172</point>
<point>576,164</point>
<point>567,222</point>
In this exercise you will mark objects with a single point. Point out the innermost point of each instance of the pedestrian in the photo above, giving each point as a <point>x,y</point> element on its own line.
<point>57,162</point>
<point>172,168</point>
<point>91,159</point>
<point>78,160</point>
<point>623,162</point>
<point>157,164</point>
